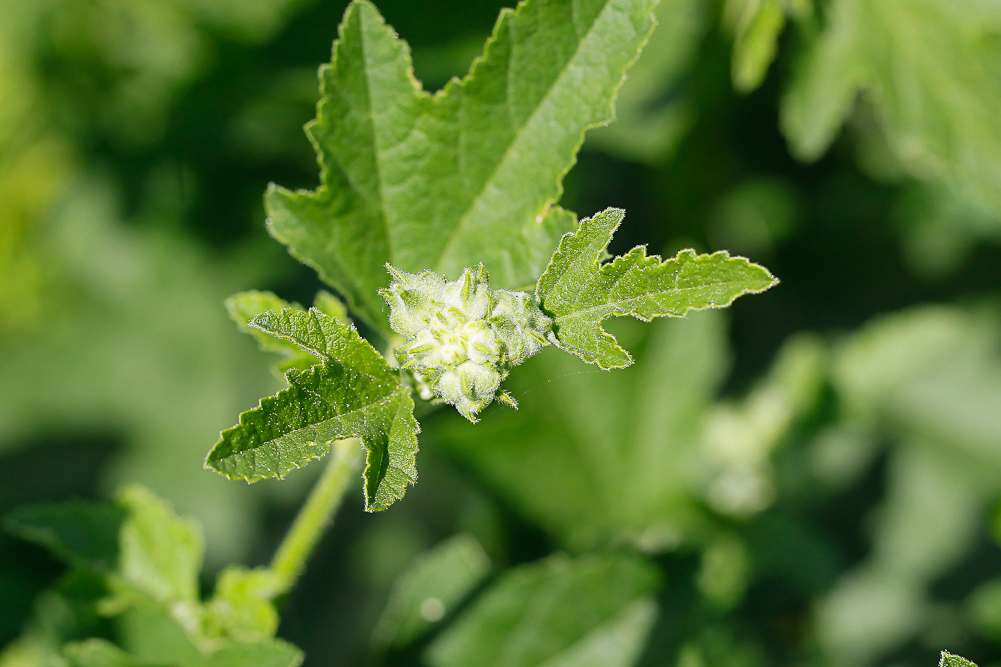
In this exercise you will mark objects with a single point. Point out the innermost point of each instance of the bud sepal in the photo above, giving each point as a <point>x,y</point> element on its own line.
<point>461,337</point>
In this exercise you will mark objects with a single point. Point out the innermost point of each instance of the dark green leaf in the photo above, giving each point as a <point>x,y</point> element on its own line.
<point>79,532</point>
<point>97,653</point>
<point>353,393</point>
<point>950,660</point>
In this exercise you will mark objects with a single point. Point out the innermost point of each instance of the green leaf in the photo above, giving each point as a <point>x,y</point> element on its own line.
<point>271,653</point>
<point>245,306</point>
<point>929,69</point>
<point>580,292</point>
<point>97,653</point>
<point>599,457</point>
<point>755,42</point>
<point>591,611</point>
<point>161,553</point>
<point>353,393</point>
<point>155,636</point>
<point>468,175</point>
<point>950,660</point>
<point>242,607</point>
<point>80,533</point>
<point>331,305</point>
<point>653,110</point>
<point>933,371</point>
<point>430,589</point>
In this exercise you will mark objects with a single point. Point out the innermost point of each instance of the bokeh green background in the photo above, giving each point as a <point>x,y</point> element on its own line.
<point>815,471</point>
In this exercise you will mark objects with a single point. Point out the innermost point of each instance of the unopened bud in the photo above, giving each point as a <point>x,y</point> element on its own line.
<point>462,338</point>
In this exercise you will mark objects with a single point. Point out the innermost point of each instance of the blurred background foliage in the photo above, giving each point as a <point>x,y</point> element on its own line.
<point>813,476</point>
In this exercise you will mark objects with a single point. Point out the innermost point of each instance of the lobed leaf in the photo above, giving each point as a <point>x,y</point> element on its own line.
<point>928,69</point>
<point>580,292</point>
<point>353,393</point>
<point>588,612</point>
<point>467,175</point>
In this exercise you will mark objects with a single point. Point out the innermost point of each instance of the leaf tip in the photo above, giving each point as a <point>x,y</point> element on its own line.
<point>948,659</point>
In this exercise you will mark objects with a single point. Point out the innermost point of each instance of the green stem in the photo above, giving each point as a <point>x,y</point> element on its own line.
<point>317,513</point>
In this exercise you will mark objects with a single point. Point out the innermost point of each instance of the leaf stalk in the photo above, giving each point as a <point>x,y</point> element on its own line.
<point>317,513</point>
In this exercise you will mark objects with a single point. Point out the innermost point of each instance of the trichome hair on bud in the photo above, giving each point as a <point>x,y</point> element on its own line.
<point>461,337</point>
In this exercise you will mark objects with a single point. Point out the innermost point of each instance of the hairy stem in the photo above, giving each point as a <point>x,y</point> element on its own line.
<point>318,512</point>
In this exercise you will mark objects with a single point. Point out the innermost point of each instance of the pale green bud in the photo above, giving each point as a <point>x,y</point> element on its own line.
<point>462,338</point>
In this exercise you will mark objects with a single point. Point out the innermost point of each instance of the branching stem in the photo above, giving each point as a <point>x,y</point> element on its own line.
<point>317,513</point>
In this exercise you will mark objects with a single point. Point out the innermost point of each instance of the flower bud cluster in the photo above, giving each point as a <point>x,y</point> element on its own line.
<point>462,338</point>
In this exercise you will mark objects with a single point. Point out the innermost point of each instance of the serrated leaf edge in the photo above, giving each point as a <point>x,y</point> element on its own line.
<point>647,262</point>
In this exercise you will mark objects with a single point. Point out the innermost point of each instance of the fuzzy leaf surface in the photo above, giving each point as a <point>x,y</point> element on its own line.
<point>352,393</point>
<point>580,292</point>
<point>245,306</point>
<point>470,174</point>
<point>590,611</point>
<point>953,660</point>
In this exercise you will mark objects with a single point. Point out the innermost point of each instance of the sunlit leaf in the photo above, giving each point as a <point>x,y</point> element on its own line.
<point>950,660</point>
<point>580,292</point>
<point>469,175</point>
<point>242,605</point>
